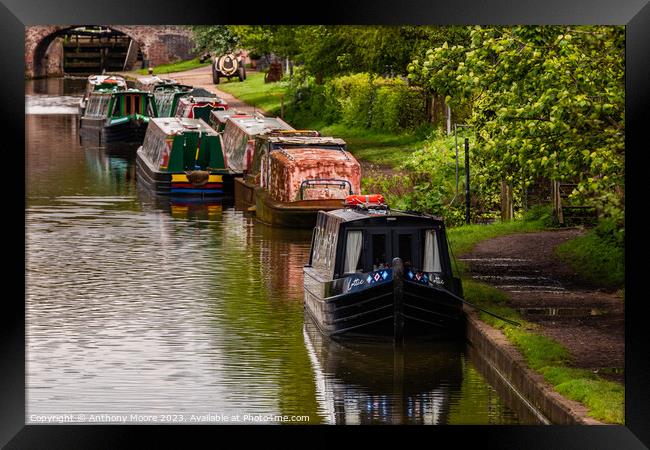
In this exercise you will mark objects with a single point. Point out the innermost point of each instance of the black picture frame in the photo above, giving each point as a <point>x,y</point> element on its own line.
<point>16,14</point>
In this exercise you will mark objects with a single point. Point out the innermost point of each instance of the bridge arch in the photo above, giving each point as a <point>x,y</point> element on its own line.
<point>158,44</point>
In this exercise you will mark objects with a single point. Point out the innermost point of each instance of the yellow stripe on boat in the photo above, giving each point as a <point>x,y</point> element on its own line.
<point>182,178</point>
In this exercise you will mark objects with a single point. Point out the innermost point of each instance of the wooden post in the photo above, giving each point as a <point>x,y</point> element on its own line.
<point>507,207</point>
<point>557,202</point>
<point>467,196</point>
<point>398,293</point>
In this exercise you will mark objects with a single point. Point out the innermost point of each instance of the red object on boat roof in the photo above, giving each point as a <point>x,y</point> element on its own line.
<point>374,199</point>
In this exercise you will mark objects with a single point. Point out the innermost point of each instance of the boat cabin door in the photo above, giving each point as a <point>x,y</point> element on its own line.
<point>405,245</point>
<point>384,245</point>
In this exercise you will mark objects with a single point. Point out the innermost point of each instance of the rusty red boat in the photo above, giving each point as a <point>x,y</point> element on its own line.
<point>295,174</point>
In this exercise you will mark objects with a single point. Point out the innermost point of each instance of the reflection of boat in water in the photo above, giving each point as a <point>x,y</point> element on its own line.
<point>184,207</point>
<point>111,168</point>
<point>378,382</point>
<point>288,249</point>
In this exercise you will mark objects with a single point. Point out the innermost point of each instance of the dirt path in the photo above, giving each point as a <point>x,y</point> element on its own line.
<point>588,321</point>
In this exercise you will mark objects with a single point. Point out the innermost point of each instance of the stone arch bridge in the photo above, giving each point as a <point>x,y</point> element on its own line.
<point>159,44</point>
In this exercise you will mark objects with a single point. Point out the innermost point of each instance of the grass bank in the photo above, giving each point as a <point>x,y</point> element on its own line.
<point>178,66</point>
<point>255,92</point>
<point>598,256</point>
<point>604,399</point>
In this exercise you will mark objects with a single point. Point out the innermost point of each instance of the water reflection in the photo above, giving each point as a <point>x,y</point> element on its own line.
<point>377,382</point>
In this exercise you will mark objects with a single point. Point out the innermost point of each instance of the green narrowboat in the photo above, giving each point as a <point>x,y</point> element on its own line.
<point>97,82</point>
<point>117,116</point>
<point>183,157</point>
<point>167,96</point>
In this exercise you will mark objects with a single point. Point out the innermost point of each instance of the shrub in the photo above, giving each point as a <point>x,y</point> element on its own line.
<point>360,100</point>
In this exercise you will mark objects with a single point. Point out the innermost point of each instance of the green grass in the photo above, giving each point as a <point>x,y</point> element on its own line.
<point>175,67</point>
<point>604,399</point>
<point>253,91</point>
<point>596,257</point>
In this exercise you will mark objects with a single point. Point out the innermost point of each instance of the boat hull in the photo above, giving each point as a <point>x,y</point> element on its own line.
<point>376,309</point>
<point>163,182</point>
<point>298,214</point>
<point>97,131</point>
<point>244,193</point>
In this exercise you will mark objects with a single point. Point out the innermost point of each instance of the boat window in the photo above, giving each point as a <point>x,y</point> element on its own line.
<point>150,112</point>
<point>97,106</point>
<point>404,248</point>
<point>431,260</point>
<point>378,251</point>
<point>353,250</point>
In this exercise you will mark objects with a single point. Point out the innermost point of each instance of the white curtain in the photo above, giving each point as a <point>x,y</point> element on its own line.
<point>431,255</point>
<point>353,251</point>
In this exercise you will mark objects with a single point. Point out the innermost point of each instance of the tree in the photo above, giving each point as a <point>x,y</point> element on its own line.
<point>546,102</point>
<point>218,39</point>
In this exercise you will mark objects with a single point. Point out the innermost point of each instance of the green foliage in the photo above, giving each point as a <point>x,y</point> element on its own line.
<point>361,100</point>
<point>598,256</point>
<point>216,39</point>
<point>546,102</point>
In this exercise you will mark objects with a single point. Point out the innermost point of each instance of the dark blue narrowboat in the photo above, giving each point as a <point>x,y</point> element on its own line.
<point>381,272</point>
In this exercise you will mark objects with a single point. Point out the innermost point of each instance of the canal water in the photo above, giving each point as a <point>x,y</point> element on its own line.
<point>142,309</point>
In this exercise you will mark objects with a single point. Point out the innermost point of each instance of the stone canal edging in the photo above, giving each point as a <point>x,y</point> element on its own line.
<point>493,345</point>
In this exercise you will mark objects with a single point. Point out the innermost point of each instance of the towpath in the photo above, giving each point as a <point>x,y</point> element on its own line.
<point>588,321</point>
<point>202,77</point>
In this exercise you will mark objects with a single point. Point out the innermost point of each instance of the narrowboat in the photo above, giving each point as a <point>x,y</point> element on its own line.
<point>117,116</point>
<point>381,272</point>
<point>193,107</point>
<point>298,176</point>
<point>245,186</point>
<point>239,134</point>
<point>151,82</point>
<point>369,381</point>
<point>218,118</point>
<point>167,96</point>
<point>182,157</point>
<point>106,82</point>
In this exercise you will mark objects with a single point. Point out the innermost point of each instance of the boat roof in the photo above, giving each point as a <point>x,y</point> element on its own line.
<point>177,125</point>
<point>314,156</point>
<point>353,214</point>
<point>192,99</point>
<point>200,92</point>
<point>307,141</point>
<point>155,79</point>
<point>252,125</point>
<point>99,79</point>
<point>222,116</point>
